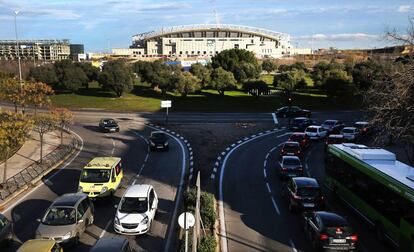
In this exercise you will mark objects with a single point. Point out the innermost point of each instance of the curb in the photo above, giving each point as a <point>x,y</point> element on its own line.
<point>34,182</point>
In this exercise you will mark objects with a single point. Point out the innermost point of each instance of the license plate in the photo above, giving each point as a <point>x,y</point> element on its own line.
<point>112,130</point>
<point>160,147</point>
<point>339,240</point>
<point>308,204</point>
<point>290,153</point>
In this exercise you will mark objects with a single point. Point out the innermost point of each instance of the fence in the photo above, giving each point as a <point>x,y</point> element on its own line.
<point>36,170</point>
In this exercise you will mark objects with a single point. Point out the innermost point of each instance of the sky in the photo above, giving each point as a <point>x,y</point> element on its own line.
<point>104,24</point>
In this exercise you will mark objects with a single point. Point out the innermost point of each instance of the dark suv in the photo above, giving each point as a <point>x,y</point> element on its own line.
<point>112,244</point>
<point>301,123</point>
<point>329,231</point>
<point>108,125</point>
<point>294,111</point>
<point>303,193</point>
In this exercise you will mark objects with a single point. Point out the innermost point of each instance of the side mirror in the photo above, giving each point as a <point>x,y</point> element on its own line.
<point>115,206</point>
<point>80,221</point>
<point>38,220</point>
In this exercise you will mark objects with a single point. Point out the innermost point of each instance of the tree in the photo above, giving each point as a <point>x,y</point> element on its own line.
<point>37,94</point>
<point>242,63</point>
<point>285,81</point>
<point>338,84</point>
<point>187,83</point>
<point>255,87</point>
<point>46,74</point>
<point>14,129</point>
<point>90,71</point>
<point>269,66</point>
<point>73,78</point>
<point>116,76</point>
<point>203,73</point>
<point>10,91</point>
<point>5,75</point>
<point>64,118</point>
<point>222,80</point>
<point>44,123</point>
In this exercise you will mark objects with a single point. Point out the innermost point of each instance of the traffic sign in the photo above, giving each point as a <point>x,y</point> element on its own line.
<point>186,220</point>
<point>166,104</point>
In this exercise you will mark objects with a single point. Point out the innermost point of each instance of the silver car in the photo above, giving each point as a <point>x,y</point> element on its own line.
<point>66,219</point>
<point>350,133</point>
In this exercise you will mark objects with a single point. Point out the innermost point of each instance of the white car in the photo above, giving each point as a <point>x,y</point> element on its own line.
<point>350,133</point>
<point>315,132</point>
<point>136,210</point>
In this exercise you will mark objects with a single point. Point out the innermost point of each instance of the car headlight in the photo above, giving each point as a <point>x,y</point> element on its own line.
<point>67,236</point>
<point>116,221</point>
<point>104,189</point>
<point>152,143</point>
<point>145,221</point>
<point>80,189</point>
<point>166,144</point>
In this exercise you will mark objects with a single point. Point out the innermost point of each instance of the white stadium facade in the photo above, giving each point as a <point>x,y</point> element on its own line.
<point>205,41</point>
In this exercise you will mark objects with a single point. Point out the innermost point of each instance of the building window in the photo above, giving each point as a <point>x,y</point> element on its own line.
<point>204,52</point>
<point>186,52</point>
<point>192,52</point>
<point>198,52</point>
<point>181,52</point>
<point>236,46</point>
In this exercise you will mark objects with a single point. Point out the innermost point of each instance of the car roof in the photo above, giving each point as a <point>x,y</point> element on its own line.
<point>137,191</point>
<point>103,162</point>
<point>290,157</point>
<point>305,182</point>
<point>350,128</point>
<point>361,122</point>
<point>331,219</point>
<point>109,244</point>
<point>157,132</point>
<point>315,126</point>
<point>331,120</point>
<point>336,136</point>
<point>298,134</point>
<point>38,245</point>
<point>107,119</point>
<point>300,118</point>
<point>69,199</point>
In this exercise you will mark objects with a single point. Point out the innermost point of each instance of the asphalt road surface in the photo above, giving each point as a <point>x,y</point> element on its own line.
<point>163,170</point>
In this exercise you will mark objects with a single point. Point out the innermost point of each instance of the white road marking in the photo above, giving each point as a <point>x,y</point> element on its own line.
<point>265,163</point>
<point>51,177</point>
<point>264,173</point>
<point>178,195</point>
<point>274,118</point>
<point>268,188</point>
<point>223,233</point>
<point>293,246</point>
<point>265,176</point>
<point>275,206</point>
<point>287,133</point>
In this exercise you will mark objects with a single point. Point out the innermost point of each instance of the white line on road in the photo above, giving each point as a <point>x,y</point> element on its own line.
<point>264,173</point>
<point>293,246</point>
<point>223,233</point>
<point>275,206</point>
<point>287,133</point>
<point>274,118</point>
<point>178,195</point>
<point>268,188</point>
<point>51,177</point>
<point>265,176</point>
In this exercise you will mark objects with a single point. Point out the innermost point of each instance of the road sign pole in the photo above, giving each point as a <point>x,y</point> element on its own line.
<point>186,229</point>
<point>166,118</point>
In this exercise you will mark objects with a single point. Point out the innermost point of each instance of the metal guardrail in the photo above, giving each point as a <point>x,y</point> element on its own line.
<point>34,171</point>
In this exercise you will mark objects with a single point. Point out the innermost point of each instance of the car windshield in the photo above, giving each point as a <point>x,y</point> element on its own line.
<point>158,135</point>
<point>109,121</point>
<point>299,121</point>
<point>57,216</point>
<point>330,123</point>
<point>133,205</point>
<point>348,131</point>
<point>309,192</point>
<point>95,175</point>
<point>312,130</point>
<point>291,161</point>
<point>296,138</point>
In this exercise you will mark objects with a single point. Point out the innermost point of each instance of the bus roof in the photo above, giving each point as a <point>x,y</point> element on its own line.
<point>103,162</point>
<point>381,160</point>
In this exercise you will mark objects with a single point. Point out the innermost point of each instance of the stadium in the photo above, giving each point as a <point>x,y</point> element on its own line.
<point>208,40</point>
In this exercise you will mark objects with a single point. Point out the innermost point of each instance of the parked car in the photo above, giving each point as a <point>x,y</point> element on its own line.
<point>291,166</point>
<point>291,149</point>
<point>158,141</point>
<point>333,126</point>
<point>350,133</point>
<point>363,127</point>
<point>316,132</point>
<point>112,244</point>
<point>329,231</point>
<point>301,138</point>
<point>303,193</point>
<point>301,123</point>
<point>294,111</point>
<point>108,125</point>
<point>66,219</point>
<point>334,139</point>
<point>6,231</point>
<point>40,245</point>
<point>136,210</point>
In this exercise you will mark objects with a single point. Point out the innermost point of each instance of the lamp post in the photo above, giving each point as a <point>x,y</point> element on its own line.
<point>18,52</point>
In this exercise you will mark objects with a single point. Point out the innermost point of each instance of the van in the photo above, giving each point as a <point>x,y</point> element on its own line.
<point>40,245</point>
<point>101,177</point>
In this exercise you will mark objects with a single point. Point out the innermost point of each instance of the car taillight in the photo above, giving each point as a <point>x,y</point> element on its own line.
<point>284,169</point>
<point>296,196</point>
<point>300,169</point>
<point>323,237</point>
<point>354,238</point>
<point>298,152</point>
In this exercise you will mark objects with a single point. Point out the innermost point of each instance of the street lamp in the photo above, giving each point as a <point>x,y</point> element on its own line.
<point>18,49</point>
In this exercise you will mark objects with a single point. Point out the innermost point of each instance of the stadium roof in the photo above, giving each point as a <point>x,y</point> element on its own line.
<point>213,27</point>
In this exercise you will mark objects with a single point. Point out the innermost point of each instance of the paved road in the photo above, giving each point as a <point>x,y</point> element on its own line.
<point>161,169</point>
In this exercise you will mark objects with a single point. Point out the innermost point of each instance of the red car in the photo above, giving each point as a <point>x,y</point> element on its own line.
<point>291,149</point>
<point>301,138</point>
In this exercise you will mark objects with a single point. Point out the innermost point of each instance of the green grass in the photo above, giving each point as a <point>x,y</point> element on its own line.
<point>143,98</point>
<point>268,78</point>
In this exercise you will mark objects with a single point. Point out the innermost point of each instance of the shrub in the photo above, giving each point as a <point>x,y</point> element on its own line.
<point>207,244</point>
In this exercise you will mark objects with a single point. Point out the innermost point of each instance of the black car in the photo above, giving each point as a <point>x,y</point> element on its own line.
<point>329,231</point>
<point>158,141</point>
<point>301,123</point>
<point>303,193</point>
<point>108,125</point>
<point>291,166</point>
<point>333,126</point>
<point>112,244</point>
<point>6,231</point>
<point>294,111</point>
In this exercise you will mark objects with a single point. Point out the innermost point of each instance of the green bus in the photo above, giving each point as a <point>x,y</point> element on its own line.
<point>377,186</point>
